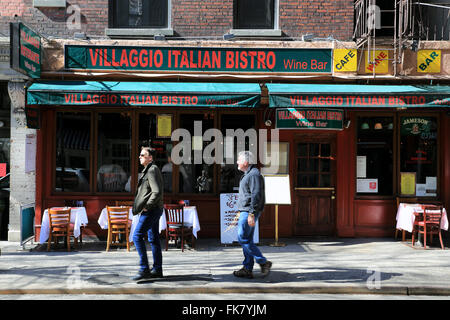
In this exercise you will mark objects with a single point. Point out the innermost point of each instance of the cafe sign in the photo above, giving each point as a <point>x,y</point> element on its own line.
<point>193,59</point>
<point>311,118</point>
<point>25,50</point>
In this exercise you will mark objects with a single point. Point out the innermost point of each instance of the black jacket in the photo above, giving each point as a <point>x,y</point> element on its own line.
<point>149,193</point>
<point>251,192</point>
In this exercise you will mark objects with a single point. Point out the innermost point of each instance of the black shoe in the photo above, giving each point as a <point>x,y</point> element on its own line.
<point>156,274</point>
<point>243,273</point>
<point>265,267</point>
<point>142,275</point>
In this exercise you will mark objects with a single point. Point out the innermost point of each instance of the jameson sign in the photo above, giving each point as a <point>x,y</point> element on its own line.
<point>338,100</point>
<point>198,59</point>
<point>142,99</point>
<point>292,118</point>
<point>413,126</point>
<point>25,50</point>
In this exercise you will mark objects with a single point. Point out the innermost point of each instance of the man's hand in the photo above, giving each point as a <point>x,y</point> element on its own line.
<point>251,220</point>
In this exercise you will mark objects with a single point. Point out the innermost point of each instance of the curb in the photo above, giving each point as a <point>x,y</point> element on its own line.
<point>385,290</point>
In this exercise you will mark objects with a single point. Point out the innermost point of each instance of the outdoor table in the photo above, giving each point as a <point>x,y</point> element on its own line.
<point>78,217</point>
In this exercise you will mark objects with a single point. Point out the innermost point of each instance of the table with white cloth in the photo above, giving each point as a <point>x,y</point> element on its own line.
<point>78,217</point>
<point>190,220</point>
<point>406,216</point>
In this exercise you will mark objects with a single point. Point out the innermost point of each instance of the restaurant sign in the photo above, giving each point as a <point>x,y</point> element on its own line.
<point>25,56</point>
<point>293,118</point>
<point>192,59</point>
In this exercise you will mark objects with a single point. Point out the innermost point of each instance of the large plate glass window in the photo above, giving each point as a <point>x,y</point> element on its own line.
<point>418,153</point>
<point>73,134</point>
<point>195,175</point>
<point>114,152</point>
<point>150,128</point>
<point>374,161</point>
<point>239,124</point>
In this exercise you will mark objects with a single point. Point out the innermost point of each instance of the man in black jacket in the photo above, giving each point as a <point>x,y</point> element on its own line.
<point>250,204</point>
<point>148,203</point>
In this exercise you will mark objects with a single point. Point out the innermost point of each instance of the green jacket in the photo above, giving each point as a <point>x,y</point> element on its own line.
<point>149,193</point>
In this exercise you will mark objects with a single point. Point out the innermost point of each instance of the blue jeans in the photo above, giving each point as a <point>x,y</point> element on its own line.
<point>148,224</point>
<point>245,238</point>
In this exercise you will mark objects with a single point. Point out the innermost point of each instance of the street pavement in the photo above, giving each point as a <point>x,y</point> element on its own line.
<point>326,266</point>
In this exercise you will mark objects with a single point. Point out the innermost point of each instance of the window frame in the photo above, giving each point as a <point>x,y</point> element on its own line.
<point>134,163</point>
<point>397,115</point>
<point>272,32</point>
<point>142,32</point>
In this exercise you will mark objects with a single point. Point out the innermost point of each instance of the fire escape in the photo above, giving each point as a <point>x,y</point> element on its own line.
<point>399,27</point>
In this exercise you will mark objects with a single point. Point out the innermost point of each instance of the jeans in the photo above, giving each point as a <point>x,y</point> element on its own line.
<point>148,224</point>
<point>245,238</point>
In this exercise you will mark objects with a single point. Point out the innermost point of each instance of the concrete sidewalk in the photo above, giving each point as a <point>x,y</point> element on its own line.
<point>326,266</point>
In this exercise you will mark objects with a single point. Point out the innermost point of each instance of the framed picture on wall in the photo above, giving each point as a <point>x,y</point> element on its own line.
<point>408,183</point>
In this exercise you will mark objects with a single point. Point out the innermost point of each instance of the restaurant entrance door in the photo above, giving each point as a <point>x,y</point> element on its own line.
<point>315,181</point>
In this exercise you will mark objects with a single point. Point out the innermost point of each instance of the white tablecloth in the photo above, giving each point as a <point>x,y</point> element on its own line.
<point>405,216</point>
<point>190,219</point>
<point>78,217</point>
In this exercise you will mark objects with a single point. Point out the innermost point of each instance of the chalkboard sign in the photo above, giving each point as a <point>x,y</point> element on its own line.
<point>26,223</point>
<point>278,189</point>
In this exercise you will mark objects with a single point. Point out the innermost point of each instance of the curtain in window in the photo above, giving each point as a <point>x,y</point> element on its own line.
<point>140,13</point>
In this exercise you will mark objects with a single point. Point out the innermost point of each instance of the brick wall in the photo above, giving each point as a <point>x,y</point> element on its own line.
<point>322,18</point>
<point>190,18</point>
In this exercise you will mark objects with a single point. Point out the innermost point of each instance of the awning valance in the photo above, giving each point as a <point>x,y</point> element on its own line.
<point>144,94</point>
<point>349,96</point>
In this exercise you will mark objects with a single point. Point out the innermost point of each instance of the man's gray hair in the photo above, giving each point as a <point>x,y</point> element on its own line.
<point>248,157</point>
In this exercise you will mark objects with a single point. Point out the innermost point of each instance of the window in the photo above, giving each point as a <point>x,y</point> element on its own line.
<point>314,165</point>
<point>418,152</point>
<point>254,14</point>
<point>229,173</point>
<point>139,13</point>
<point>195,177</point>
<point>72,151</point>
<point>374,163</point>
<point>148,127</point>
<point>114,152</point>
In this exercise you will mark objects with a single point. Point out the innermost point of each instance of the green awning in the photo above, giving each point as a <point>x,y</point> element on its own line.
<point>350,96</point>
<point>144,94</point>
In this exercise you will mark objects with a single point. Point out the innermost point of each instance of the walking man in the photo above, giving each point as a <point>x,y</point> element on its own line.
<point>251,202</point>
<point>148,203</point>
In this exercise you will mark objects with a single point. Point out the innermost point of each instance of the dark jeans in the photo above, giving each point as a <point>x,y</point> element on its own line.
<point>148,224</point>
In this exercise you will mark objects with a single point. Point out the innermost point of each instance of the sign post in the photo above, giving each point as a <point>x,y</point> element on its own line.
<point>277,191</point>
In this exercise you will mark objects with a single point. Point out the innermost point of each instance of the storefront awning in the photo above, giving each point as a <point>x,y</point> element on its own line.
<point>350,96</point>
<point>144,94</point>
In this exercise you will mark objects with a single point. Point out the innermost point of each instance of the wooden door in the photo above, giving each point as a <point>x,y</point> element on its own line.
<point>315,181</point>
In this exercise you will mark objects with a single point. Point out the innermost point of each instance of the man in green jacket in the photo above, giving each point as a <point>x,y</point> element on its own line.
<point>148,203</point>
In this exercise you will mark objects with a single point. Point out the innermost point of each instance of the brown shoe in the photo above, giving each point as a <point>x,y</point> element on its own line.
<point>243,273</point>
<point>265,267</point>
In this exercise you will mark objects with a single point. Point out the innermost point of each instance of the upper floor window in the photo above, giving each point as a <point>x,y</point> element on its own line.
<point>139,13</point>
<point>254,14</point>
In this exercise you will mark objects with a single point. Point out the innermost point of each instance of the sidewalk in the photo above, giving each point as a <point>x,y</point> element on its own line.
<point>327,266</point>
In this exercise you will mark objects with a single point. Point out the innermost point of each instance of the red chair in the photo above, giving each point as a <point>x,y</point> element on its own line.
<point>430,224</point>
<point>175,225</point>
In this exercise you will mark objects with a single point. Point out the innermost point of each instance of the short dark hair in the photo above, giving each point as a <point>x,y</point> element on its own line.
<point>150,151</point>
